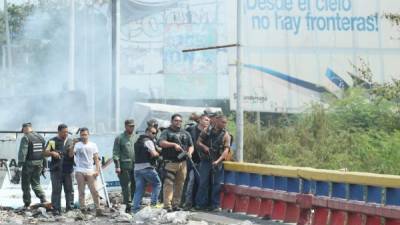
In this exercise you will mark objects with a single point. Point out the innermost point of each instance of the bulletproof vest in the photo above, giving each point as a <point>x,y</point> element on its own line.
<point>195,133</point>
<point>65,162</point>
<point>142,154</point>
<point>35,147</point>
<point>181,138</point>
<point>215,141</point>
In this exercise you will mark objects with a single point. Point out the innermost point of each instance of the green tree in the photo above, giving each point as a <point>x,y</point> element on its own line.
<point>17,15</point>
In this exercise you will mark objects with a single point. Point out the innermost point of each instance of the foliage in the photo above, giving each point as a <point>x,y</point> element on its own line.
<point>359,131</point>
<point>17,15</point>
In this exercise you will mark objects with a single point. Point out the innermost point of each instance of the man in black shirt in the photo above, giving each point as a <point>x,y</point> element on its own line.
<point>61,168</point>
<point>192,179</point>
<point>173,142</point>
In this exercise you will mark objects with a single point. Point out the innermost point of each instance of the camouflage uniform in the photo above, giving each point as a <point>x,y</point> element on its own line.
<point>123,156</point>
<point>30,158</point>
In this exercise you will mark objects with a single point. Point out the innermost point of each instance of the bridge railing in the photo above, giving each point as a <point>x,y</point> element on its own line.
<point>311,196</point>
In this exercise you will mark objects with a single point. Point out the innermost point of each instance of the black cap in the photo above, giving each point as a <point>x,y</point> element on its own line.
<point>219,113</point>
<point>129,122</point>
<point>152,123</point>
<point>26,125</point>
<point>210,113</point>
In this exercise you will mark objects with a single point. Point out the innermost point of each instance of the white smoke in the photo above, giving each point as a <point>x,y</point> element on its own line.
<point>38,90</point>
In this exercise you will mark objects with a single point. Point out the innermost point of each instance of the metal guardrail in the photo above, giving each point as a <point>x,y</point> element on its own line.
<point>317,174</point>
<point>311,196</point>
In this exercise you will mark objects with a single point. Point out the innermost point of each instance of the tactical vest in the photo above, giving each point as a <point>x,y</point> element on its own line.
<point>181,138</point>
<point>65,163</point>
<point>195,133</point>
<point>215,141</point>
<point>142,154</point>
<point>35,147</point>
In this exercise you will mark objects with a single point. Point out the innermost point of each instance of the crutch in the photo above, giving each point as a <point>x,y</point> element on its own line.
<point>103,183</point>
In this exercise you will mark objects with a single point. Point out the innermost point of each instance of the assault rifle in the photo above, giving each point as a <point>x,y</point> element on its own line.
<point>185,155</point>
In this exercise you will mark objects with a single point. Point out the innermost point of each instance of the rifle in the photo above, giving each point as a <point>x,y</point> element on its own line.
<point>57,163</point>
<point>184,155</point>
<point>17,176</point>
<point>44,167</point>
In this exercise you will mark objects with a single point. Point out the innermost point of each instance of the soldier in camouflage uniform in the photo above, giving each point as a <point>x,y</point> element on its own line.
<point>123,156</point>
<point>30,159</point>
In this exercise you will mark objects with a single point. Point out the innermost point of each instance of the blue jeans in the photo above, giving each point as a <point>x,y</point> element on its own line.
<point>142,177</point>
<point>193,181</point>
<point>216,175</point>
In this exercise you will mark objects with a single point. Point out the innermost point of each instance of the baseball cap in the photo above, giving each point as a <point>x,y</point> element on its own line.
<point>129,122</point>
<point>26,125</point>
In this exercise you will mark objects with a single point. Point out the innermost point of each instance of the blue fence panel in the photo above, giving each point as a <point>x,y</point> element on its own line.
<point>280,183</point>
<point>243,179</point>
<point>339,190</point>
<point>268,182</point>
<point>255,180</point>
<point>356,192</point>
<point>306,186</point>
<point>393,196</point>
<point>322,188</point>
<point>374,194</point>
<point>293,185</point>
<point>229,177</point>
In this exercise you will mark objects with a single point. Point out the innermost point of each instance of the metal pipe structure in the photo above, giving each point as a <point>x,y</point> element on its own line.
<point>115,13</point>
<point>209,48</point>
<point>8,38</point>
<point>239,106</point>
<point>20,132</point>
<point>71,77</point>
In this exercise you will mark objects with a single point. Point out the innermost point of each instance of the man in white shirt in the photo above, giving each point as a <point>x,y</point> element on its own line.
<point>87,154</point>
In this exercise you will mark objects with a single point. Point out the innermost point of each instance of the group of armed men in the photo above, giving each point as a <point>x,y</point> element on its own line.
<point>182,165</point>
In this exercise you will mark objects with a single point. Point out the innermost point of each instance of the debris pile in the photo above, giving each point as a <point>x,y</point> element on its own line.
<point>114,215</point>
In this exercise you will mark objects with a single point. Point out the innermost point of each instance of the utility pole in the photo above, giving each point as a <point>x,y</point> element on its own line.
<point>115,14</point>
<point>239,94</point>
<point>258,121</point>
<point>239,100</point>
<point>8,38</point>
<point>71,71</point>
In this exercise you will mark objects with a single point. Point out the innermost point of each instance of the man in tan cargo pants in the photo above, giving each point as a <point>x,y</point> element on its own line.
<point>175,142</point>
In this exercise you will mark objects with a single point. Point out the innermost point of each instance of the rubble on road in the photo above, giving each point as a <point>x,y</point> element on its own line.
<point>112,216</point>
